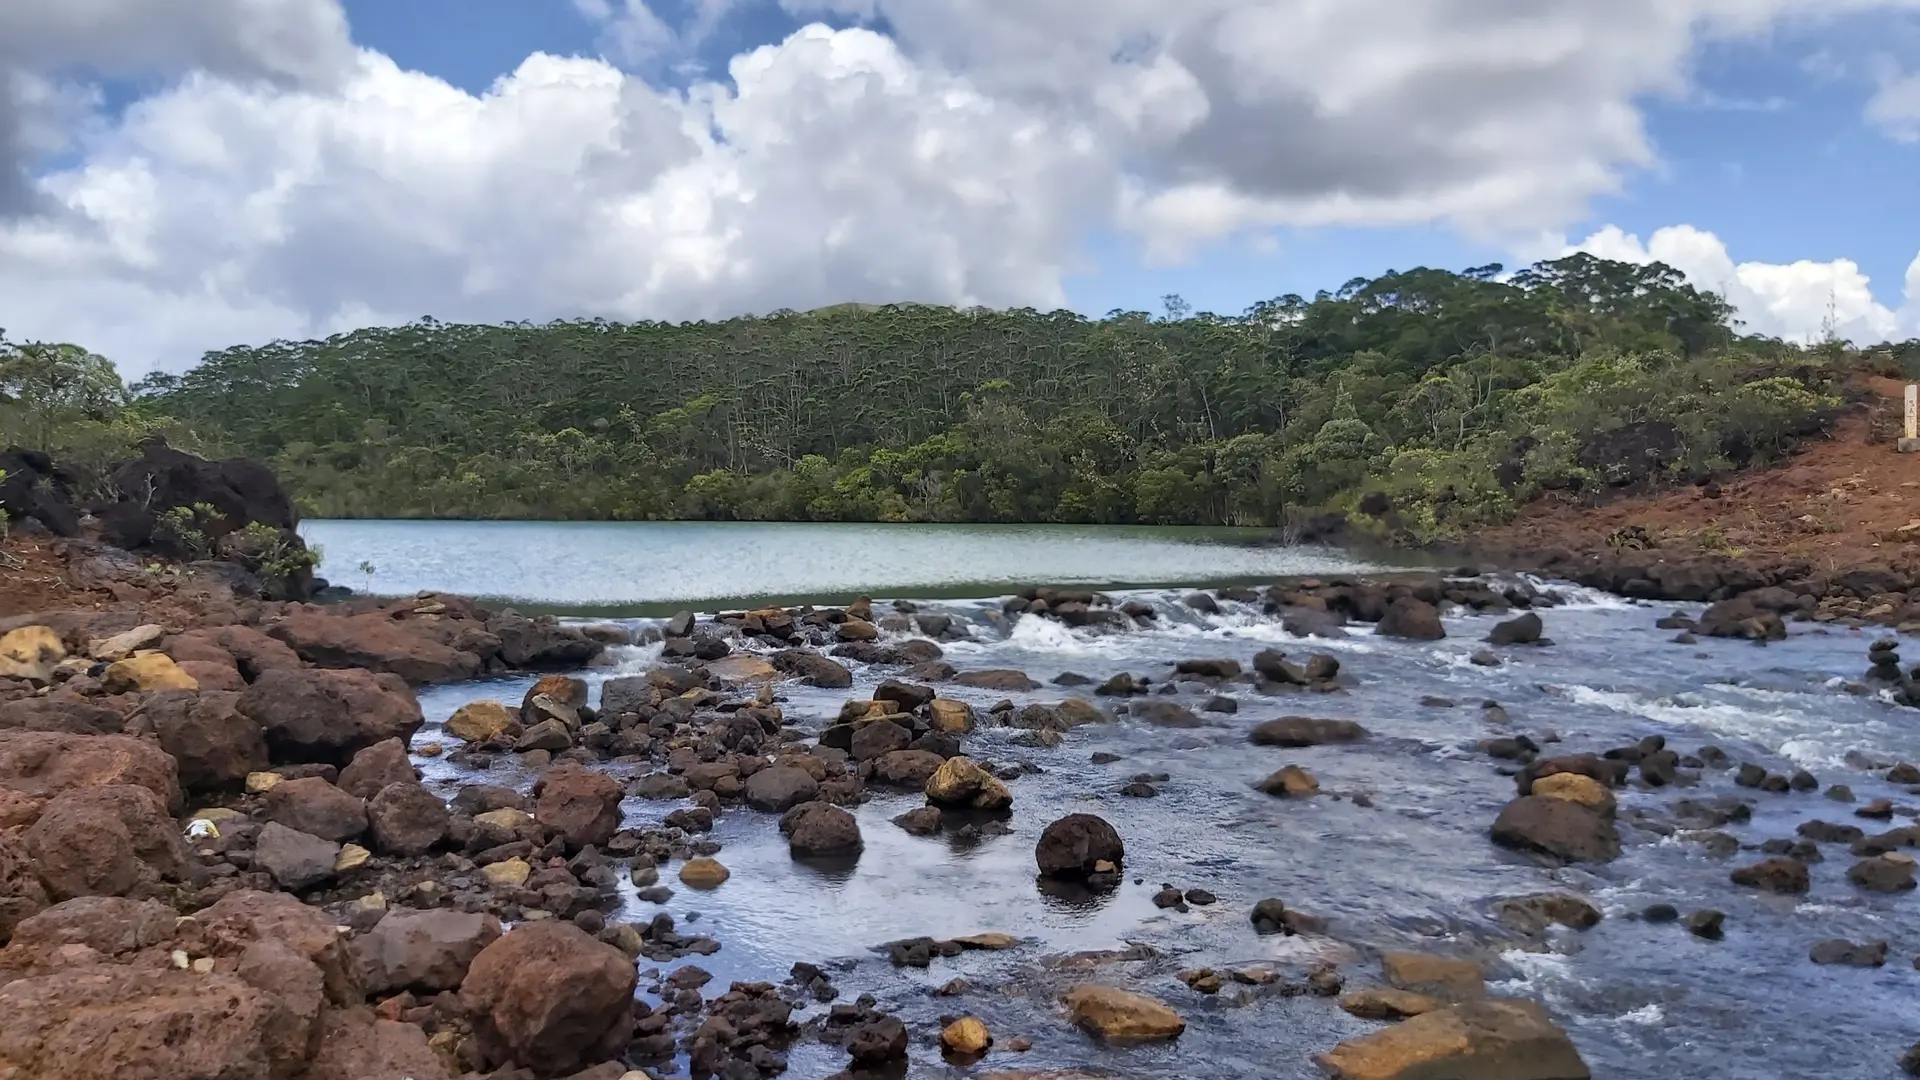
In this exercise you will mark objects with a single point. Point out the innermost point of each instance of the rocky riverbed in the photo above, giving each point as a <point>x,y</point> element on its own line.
<point>1419,826</point>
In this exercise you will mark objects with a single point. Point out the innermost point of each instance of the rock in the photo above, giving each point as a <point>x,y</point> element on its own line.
<point>1575,788</point>
<point>1075,846</point>
<point>1848,954</point>
<point>357,1045</point>
<point>1290,732</point>
<point>145,674</point>
<point>1210,669</point>
<point>878,1041</point>
<point>1438,976</point>
<point>109,925</point>
<point>878,737</point>
<point>352,857</point>
<point>922,822</point>
<point>214,745</point>
<point>780,788</point>
<point>421,951</point>
<point>1383,1003</point>
<point>1411,619</point>
<point>581,805</point>
<point>105,1022</point>
<point>1166,714</point>
<point>296,860</point>
<point>1563,831</point>
<point>1269,916</point>
<point>246,918</point>
<point>62,715</point>
<point>376,643</point>
<point>818,829</point>
<point>377,766</point>
<point>104,841</point>
<point>1523,629</point>
<point>507,873</point>
<point>958,782</point>
<point>1482,1040</point>
<point>552,736</point>
<point>43,764</point>
<point>482,721</point>
<point>30,652</point>
<point>1121,1018</point>
<point>703,873</point>
<point>311,805</point>
<point>312,715</point>
<point>966,1037</point>
<point>1778,875</point>
<point>1077,712</point>
<point>548,996</point>
<point>406,819</point>
<point>1883,874</point>
<point>1534,914</point>
<point>1291,781</point>
<point>1002,680</point>
<point>953,717</point>
<point>1706,924</point>
<point>812,668</point>
<point>907,696</point>
<point>907,769</point>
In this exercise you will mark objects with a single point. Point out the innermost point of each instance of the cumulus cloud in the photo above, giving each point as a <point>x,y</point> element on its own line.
<point>1895,105</point>
<point>1802,301</point>
<point>282,182</point>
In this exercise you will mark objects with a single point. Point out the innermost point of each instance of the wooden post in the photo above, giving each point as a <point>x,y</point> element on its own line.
<point>1910,433</point>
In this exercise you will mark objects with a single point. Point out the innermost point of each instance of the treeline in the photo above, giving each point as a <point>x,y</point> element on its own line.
<point>1427,400</point>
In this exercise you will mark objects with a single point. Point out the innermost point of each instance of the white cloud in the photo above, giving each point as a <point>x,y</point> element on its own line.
<point>282,182</point>
<point>1799,301</point>
<point>1895,105</point>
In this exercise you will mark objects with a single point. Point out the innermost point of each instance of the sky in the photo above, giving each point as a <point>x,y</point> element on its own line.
<point>179,176</point>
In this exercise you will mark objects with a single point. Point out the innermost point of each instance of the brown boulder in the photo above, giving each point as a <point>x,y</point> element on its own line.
<point>239,920</point>
<point>422,951</point>
<point>45,763</point>
<point>375,767</point>
<point>820,829</point>
<point>248,650</point>
<point>60,714</point>
<point>406,819</point>
<point>1777,875</point>
<point>125,1023</point>
<point>104,841</point>
<point>215,745</point>
<point>329,716</point>
<point>908,769</point>
<point>357,1045</point>
<point>549,998</point>
<point>581,805</point>
<point>1076,845</point>
<point>1122,1018</point>
<point>1291,732</point>
<point>373,641</point>
<point>109,925</point>
<point>317,808</point>
<point>21,893</point>
<point>811,667</point>
<point>780,788</point>
<point>1482,1040</point>
<point>297,991</point>
<point>958,782</point>
<point>1002,680</point>
<point>1411,619</point>
<point>1561,830</point>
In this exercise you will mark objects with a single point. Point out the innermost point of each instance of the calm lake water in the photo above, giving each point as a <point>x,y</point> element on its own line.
<point>643,567</point>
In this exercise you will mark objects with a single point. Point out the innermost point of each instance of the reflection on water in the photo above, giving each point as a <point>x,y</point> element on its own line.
<point>1413,869</point>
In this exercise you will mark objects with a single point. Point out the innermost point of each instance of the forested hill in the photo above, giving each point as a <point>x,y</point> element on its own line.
<point>1453,395</point>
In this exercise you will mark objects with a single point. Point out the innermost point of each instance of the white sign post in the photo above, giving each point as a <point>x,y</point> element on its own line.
<point>1910,434</point>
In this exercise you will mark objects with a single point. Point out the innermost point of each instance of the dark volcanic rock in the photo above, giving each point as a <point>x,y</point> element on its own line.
<point>312,715</point>
<point>1412,619</point>
<point>1777,875</point>
<point>205,732</point>
<point>820,829</point>
<point>780,788</point>
<point>1523,629</point>
<point>1076,845</point>
<point>1564,831</point>
<point>548,997</point>
<point>1298,731</point>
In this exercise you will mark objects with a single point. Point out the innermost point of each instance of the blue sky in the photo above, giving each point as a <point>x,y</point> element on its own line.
<point>1770,154</point>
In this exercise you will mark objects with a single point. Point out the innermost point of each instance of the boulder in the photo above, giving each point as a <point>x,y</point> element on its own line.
<point>908,696</point>
<point>1162,713</point>
<point>1122,1018</point>
<point>1776,875</point>
<point>1001,680</point>
<point>145,674</point>
<point>1296,731</point>
<point>541,642</point>
<point>1436,976</point>
<point>62,715</point>
<point>960,783</point>
<point>21,893</point>
<point>703,873</point>
<point>820,829</point>
<point>549,998</point>
<point>311,805</point>
<point>581,805</point>
<point>406,819</point>
<point>248,650</point>
<point>109,925</point>
<point>30,652</point>
<point>421,951</point>
<point>215,746</point>
<point>1524,629</point>
<point>1411,619</point>
<point>812,668</point>
<point>907,769</point>
<point>1882,873</point>
<point>322,716</point>
<point>45,763</point>
<point>106,1022</point>
<point>1292,782</point>
<point>375,767</point>
<point>357,1045</point>
<point>142,638</point>
<point>1576,788</point>
<point>1563,831</point>
<point>245,918</point>
<point>1482,1040</point>
<point>482,721</point>
<point>780,788</point>
<point>948,715</point>
<point>875,738</point>
<point>104,841</point>
<point>1075,846</point>
<point>1385,1003</point>
<point>376,642</point>
<point>296,860</point>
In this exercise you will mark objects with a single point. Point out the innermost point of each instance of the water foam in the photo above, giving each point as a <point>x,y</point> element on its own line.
<point>1800,735</point>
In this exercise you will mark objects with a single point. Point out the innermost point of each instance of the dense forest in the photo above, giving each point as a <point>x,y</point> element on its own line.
<point>1424,402</point>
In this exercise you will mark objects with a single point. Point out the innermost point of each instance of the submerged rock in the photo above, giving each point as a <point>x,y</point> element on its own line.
<point>1291,732</point>
<point>1482,1040</point>
<point>1122,1018</point>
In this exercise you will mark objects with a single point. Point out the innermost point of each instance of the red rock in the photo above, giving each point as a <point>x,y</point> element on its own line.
<point>65,715</point>
<point>247,650</point>
<point>104,841</point>
<point>409,648</point>
<point>317,808</point>
<point>548,997</point>
<point>297,991</point>
<point>241,919</point>
<point>21,893</point>
<point>357,1045</point>
<point>407,819</point>
<point>45,763</point>
<point>580,804</point>
<point>103,1022</point>
<point>209,676</point>
<point>110,925</point>
<point>329,716</point>
<point>377,766</point>
<point>213,743</point>
<point>422,951</point>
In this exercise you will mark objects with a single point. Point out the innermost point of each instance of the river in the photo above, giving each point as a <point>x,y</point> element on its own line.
<point>1412,870</point>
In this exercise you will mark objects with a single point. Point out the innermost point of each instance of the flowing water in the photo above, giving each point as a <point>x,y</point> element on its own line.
<point>1413,870</point>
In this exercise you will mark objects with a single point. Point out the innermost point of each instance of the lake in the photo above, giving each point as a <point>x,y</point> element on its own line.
<point>614,568</point>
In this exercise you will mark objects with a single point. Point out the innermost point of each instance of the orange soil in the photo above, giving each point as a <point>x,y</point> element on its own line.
<point>1839,501</point>
<point>32,578</point>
